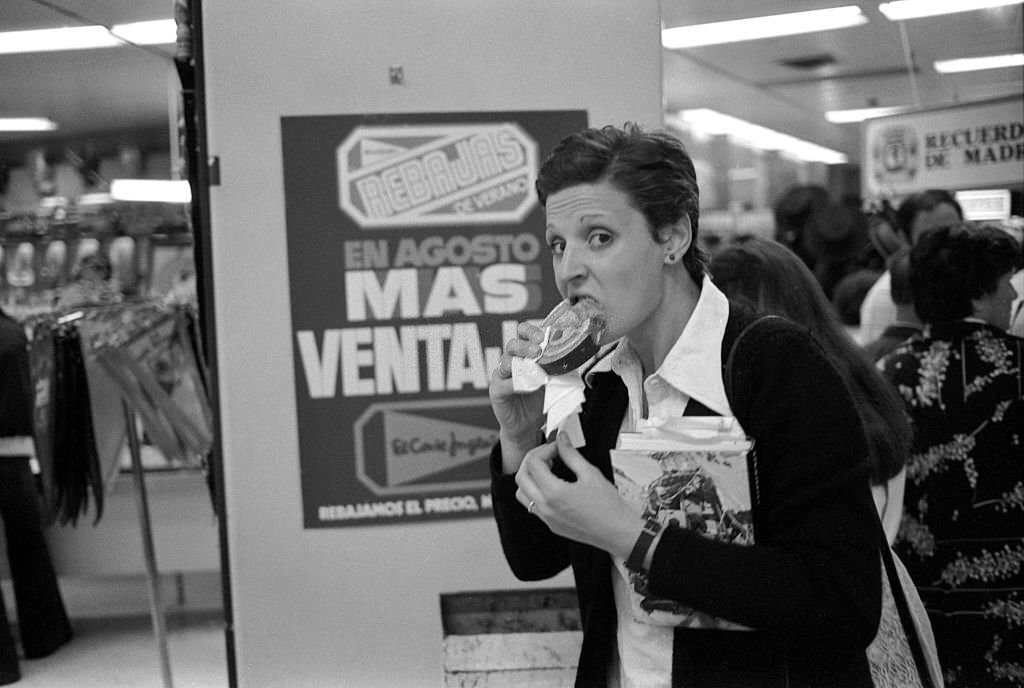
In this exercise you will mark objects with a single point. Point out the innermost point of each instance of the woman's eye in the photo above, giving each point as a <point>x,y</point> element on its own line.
<point>598,239</point>
<point>557,246</point>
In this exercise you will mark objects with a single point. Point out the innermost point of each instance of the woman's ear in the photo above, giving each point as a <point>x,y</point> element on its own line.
<point>676,239</point>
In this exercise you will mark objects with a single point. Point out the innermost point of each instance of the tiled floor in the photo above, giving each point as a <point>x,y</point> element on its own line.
<point>123,653</point>
<point>114,645</point>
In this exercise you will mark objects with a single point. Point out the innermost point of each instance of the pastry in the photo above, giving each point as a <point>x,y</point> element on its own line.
<point>572,334</point>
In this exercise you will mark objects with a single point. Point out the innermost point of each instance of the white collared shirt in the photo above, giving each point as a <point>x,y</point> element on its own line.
<point>691,370</point>
<point>877,310</point>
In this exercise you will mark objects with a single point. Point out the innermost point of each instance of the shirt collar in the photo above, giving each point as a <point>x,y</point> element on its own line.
<point>694,363</point>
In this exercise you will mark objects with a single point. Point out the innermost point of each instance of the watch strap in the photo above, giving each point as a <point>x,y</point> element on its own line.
<point>636,558</point>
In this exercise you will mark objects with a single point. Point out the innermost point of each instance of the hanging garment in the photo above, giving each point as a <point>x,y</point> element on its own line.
<point>41,354</point>
<point>76,469</point>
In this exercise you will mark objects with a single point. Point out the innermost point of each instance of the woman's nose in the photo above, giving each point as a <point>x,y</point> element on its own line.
<point>572,266</point>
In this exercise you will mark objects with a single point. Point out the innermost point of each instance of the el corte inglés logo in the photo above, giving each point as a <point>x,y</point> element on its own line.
<point>445,174</point>
<point>409,445</point>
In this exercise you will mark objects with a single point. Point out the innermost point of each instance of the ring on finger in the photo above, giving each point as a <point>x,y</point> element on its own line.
<point>531,506</point>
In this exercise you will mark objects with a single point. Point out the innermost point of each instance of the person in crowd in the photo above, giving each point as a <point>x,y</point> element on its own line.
<point>917,213</point>
<point>907,324</point>
<point>1017,307</point>
<point>1015,226</point>
<point>883,238</point>
<point>42,620</point>
<point>828,236</point>
<point>770,278</point>
<point>962,382</point>
<point>92,284</point>
<point>621,208</point>
<point>849,295</point>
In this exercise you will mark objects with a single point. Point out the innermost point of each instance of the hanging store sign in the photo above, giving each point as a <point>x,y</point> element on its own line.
<point>415,246</point>
<point>964,147</point>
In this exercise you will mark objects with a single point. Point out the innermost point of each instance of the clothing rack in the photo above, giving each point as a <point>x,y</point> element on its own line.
<point>156,609</point>
<point>132,333</point>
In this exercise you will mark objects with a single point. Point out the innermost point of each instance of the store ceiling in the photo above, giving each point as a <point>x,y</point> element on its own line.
<point>96,91</point>
<point>751,80</point>
<point>87,91</point>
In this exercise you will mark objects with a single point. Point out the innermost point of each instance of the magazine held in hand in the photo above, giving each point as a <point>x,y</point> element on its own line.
<point>690,472</point>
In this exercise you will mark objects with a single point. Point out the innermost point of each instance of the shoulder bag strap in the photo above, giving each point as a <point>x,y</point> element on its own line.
<point>727,373</point>
<point>909,627</point>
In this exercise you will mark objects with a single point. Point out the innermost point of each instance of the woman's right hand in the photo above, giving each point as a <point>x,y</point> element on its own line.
<point>518,413</point>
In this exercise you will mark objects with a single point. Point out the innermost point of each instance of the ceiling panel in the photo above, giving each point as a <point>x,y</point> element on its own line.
<point>871,65</point>
<point>20,15</point>
<point>896,89</point>
<point>87,91</point>
<point>99,90</point>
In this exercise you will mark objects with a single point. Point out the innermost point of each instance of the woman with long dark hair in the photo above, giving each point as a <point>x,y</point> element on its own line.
<point>771,279</point>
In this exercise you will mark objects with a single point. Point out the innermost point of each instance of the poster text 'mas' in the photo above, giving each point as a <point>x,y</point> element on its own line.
<point>413,293</point>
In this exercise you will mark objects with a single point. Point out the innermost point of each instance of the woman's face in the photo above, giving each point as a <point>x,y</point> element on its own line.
<point>602,248</point>
<point>942,215</point>
<point>994,308</point>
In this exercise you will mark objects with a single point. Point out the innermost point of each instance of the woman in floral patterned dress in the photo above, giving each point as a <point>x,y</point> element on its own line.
<point>962,535</point>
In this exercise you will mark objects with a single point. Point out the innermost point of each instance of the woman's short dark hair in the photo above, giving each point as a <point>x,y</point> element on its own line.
<point>652,168</point>
<point>950,266</point>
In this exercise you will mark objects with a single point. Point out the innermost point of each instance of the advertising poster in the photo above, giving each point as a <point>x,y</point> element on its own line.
<point>415,246</point>
<point>963,147</point>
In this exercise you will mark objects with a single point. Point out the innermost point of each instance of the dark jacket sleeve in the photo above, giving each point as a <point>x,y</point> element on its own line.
<point>813,576</point>
<point>532,550</point>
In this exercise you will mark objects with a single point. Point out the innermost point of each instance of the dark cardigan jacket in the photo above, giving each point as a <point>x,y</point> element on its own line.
<point>811,586</point>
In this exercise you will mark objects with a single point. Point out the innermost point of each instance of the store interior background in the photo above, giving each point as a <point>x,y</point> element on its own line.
<point>119,115</point>
<point>119,107</point>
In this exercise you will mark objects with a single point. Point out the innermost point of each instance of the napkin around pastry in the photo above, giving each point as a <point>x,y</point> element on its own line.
<point>563,396</point>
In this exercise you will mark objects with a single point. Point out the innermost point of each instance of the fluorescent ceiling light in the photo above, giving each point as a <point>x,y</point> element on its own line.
<point>972,64</point>
<point>707,122</point>
<point>861,114</point>
<point>148,32</point>
<point>27,124</point>
<point>85,37</point>
<point>48,40</point>
<point>912,9</point>
<point>155,190</point>
<point>95,198</point>
<point>53,202</point>
<point>762,27</point>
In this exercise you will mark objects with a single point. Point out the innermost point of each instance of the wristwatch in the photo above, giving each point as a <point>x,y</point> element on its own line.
<point>635,561</point>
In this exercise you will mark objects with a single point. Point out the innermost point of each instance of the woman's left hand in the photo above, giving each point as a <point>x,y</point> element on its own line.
<point>589,510</point>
